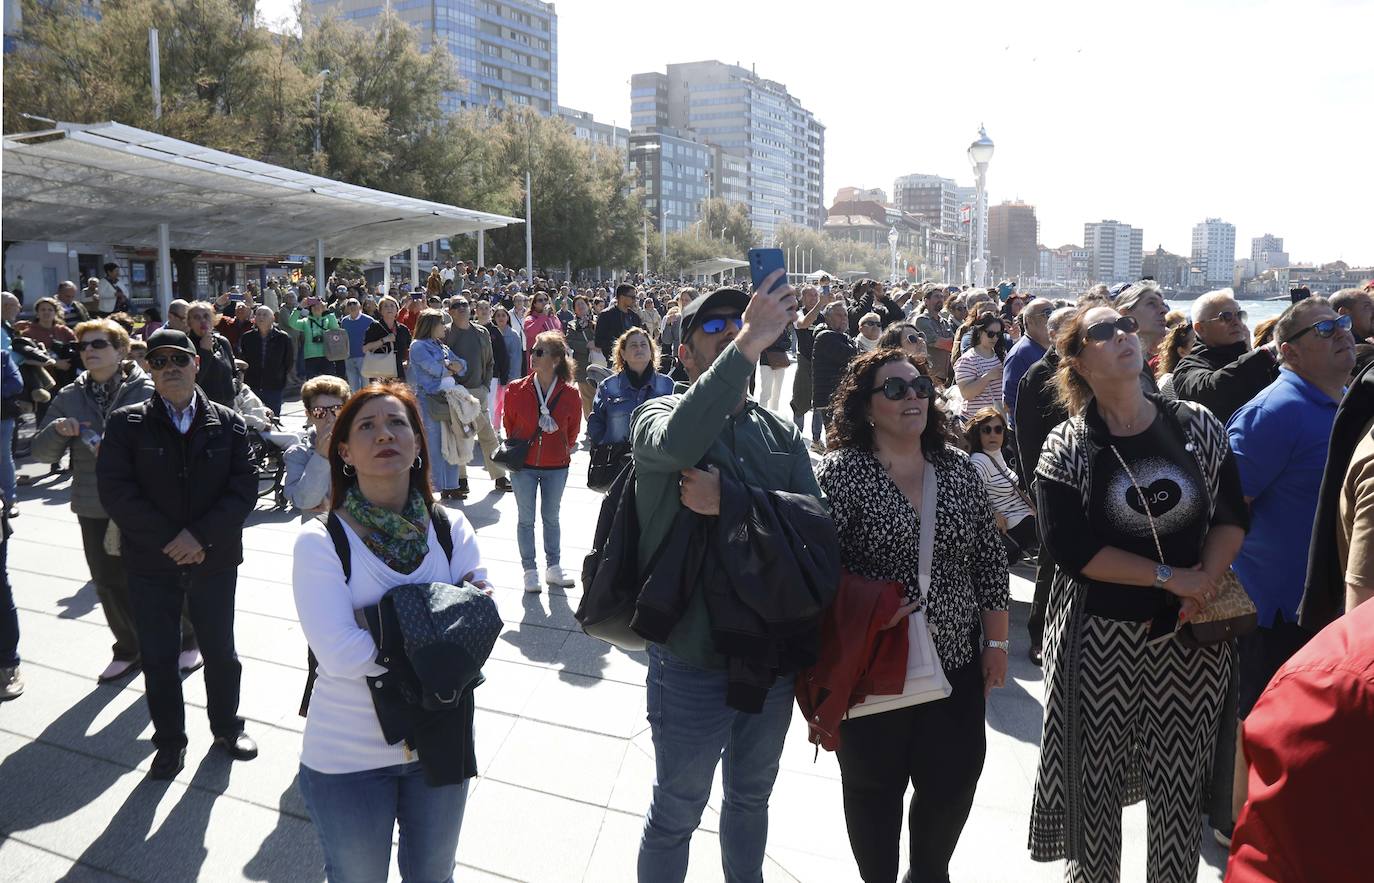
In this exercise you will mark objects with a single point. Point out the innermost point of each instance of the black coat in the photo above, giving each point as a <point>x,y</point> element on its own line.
<point>887,311</point>
<point>1038,411</point>
<point>610,324</point>
<point>216,374</point>
<point>1223,378</point>
<point>498,353</point>
<point>155,482</point>
<point>831,353</point>
<point>267,373</point>
<point>400,348</point>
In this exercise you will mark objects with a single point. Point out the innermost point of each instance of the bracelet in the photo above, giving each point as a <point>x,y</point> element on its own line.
<point>1004,646</point>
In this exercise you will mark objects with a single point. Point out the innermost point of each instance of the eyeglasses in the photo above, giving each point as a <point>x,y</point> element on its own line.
<point>991,429</point>
<point>1325,328</point>
<point>158,362</point>
<point>1104,331</point>
<point>716,324</point>
<point>894,389</point>
<point>868,324</point>
<point>993,332</point>
<point>319,412</point>
<point>1227,316</point>
<point>99,343</point>
<point>461,305</point>
<point>181,316</point>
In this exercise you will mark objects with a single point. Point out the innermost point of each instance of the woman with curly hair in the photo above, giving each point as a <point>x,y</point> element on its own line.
<point>887,444</point>
<point>907,338</point>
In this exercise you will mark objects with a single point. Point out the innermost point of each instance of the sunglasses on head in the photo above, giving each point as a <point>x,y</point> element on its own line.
<point>1325,328</point>
<point>98,344</point>
<point>319,412</point>
<point>894,389</point>
<point>1228,315</point>
<point>1104,331</point>
<point>991,429</point>
<point>158,362</point>
<point>716,324</point>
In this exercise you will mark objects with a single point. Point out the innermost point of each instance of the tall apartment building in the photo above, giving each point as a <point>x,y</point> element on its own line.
<point>747,117</point>
<point>930,196</point>
<point>586,128</point>
<point>1267,253</point>
<point>1014,239</point>
<point>1117,251</point>
<point>1214,251</point>
<point>675,170</point>
<point>506,50</point>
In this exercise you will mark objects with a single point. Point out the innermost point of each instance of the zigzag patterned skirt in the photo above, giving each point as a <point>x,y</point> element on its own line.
<point>1125,720</point>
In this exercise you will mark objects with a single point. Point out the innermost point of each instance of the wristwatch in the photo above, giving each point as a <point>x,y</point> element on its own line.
<point>1163,573</point>
<point>1004,646</point>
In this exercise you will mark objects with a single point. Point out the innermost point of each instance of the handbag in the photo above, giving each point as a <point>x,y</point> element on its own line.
<point>925,674</point>
<point>607,461</point>
<point>776,359</point>
<point>380,364</point>
<point>1228,615</point>
<point>335,344</point>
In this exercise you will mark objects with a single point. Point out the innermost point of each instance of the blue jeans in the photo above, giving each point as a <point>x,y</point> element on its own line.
<point>443,475</point>
<point>271,398</point>
<point>692,728</point>
<point>548,484</point>
<point>354,814</point>
<point>9,616</point>
<point>354,369</point>
<point>7,479</point>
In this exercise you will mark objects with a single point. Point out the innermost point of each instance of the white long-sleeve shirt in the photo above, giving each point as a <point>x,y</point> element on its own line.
<point>342,734</point>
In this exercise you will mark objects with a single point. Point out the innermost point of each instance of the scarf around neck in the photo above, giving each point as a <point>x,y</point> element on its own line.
<point>400,540</point>
<point>546,421</point>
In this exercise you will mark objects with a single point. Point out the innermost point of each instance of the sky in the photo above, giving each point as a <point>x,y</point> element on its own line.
<point>1158,114</point>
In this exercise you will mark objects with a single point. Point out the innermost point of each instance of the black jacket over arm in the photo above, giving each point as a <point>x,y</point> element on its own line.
<point>1223,378</point>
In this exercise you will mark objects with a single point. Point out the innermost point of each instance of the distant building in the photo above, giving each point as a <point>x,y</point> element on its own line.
<point>1214,251</point>
<point>1169,270</point>
<point>1070,264</point>
<point>858,194</point>
<point>1117,251</point>
<point>1014,239</point>
<point>1267,253</point>
<point>586,128</point>
<point>674,170</point>
<point>929,196</point>
<point>758,121</point>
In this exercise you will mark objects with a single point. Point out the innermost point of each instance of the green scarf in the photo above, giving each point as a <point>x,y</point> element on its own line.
<point>402,541</point>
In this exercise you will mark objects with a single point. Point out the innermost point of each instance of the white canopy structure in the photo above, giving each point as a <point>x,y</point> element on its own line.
<point>712,266</point>
<point>107,182</point>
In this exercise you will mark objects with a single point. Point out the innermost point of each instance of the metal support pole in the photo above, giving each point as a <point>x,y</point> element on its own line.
<point>414,267</point>
<point>646,245</point>
<point>529,234</point>
<point>386,275</point>
<point>320,281</point>
<point>481,248</point>
<point>164,267</point>
<point>155,72</point>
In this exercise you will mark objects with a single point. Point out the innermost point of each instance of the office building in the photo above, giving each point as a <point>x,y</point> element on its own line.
<point>1014,240</point>
<point>1169,270</point>
<point>1267,253</point>
<point>586,128</point>
<point>1069,264</point>
<point>930,196</point>
<point>1214,251</point>
<point>750,118</point>
<point>1117,251</point>
<point>675,170</point>
<point>506,50</point>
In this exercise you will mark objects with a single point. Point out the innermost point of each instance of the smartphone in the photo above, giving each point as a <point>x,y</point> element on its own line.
<point>1299,292</point>
<point>419,295</point>
<point>763,261</point>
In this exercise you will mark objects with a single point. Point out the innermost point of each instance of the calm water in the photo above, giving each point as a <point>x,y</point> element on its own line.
<point>1258,310</point>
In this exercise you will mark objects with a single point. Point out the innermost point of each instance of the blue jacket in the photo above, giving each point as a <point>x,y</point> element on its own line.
<point>427,364</point>
<point>515,354</point>
<point>616,400</point>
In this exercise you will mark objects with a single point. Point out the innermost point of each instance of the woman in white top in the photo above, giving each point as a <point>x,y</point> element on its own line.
<point>979,371</point>
<point>1011,509</point>
<point>356,786</point>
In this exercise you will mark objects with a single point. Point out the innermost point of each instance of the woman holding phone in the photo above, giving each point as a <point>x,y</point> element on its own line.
<point>979,371</point>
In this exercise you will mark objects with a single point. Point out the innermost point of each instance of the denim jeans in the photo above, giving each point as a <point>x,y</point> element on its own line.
<point>271,398</point>
<point>353,367</point>
<point>548,484</point>
<point>443,475</point>
<point>692,729</point>
<point>7,478</point>
<point>355,813</point>
<point>9,616</point>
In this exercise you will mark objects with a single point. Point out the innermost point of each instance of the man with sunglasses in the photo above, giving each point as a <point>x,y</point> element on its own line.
<point>711,422</point>
<point>618,318</point>
<point>1359,306</point>
<point>174,473</point>
<point>1222,372</point>
<point>1280,439</point>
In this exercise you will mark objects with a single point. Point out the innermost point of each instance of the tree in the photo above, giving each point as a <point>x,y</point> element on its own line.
<point>731,217</point>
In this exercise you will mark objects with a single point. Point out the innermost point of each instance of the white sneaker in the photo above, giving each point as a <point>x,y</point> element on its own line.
<point>11,684</point>
<point>553,575</point>
<point>532,584</point>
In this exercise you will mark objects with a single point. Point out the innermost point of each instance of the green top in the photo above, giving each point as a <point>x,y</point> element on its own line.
<point>309,326</point>
<point>695,427</point>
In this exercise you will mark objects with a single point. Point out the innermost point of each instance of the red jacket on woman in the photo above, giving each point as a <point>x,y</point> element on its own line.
<point>548,450</point>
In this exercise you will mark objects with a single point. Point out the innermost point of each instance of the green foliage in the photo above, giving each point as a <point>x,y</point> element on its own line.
<point>838,256</point>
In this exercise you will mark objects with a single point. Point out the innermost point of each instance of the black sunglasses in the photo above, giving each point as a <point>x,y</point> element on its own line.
<point>101,343</point>
<point>319,411</point>
<point>461,305</point>
<point>716,324</point>
<point>181,360</point>
<point>991,429</point>
<point>1325,328</point>
<point>894,389</point>
<point>1104,331</point>
<point>1228,315</point>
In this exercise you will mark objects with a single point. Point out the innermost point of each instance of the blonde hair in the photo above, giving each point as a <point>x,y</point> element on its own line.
<point>325,385</point>
<point>118,334</point>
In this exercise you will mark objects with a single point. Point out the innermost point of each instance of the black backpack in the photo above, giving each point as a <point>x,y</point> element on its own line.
<point>610,572</point>
<point>443,532</point>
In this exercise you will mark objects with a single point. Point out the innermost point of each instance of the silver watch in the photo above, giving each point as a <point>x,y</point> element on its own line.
<point>1163,573</point>
<point>1004,646</point>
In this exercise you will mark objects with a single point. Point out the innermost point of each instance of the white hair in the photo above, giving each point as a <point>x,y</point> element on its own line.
<point>1056,320</point>
<point>1201,305</point>
<point>264,309</point>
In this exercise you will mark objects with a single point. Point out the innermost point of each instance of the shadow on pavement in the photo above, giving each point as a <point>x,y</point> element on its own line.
<point>482,513</point>
<point>79,603</point>
<point>291,852</point>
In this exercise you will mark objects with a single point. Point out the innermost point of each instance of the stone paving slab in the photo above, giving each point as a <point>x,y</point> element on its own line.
<point>563,747</point>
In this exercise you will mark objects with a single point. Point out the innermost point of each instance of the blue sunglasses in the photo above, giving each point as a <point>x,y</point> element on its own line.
<point>716,324</point>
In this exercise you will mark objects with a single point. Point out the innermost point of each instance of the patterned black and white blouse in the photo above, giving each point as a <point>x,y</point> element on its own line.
<point>879,529</point>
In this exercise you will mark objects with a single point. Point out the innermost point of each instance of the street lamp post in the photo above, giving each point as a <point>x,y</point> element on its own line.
<point>892,244</point>
<point>979,155</point>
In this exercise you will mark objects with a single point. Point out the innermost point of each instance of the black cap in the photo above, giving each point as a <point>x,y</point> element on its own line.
<point>721,298</point>
<point>170,338</point>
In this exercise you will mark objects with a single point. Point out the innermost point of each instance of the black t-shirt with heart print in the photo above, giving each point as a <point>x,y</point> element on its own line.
<point>1172,484</point>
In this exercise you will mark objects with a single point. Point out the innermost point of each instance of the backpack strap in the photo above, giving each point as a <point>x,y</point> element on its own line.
<point>443,530</point>
<point>335,527</point>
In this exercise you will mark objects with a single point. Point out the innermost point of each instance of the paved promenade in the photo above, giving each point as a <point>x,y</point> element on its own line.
<point>564,751</point>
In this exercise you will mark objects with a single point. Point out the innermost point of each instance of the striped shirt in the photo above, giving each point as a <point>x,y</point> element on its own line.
<point>971,366</point>
<point>1000,482</point>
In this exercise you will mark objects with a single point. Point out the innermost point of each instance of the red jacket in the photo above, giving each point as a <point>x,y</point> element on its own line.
<point>548,450</point>
<point>858,657</point>
<point>1307,741</point>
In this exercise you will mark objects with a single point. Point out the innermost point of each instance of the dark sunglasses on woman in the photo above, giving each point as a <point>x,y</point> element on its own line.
<point>100,343</point>
<point>1104,331</point>
<point>538,352</point>
<point>894,389</point>
<point>319,412</point>
<point>991,429</point>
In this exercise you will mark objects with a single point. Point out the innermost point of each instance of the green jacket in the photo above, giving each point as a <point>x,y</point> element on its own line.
<point>696,427</point>
<point>309,326</point>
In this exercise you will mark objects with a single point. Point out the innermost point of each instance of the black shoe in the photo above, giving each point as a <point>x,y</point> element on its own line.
<point>1036,656</point>
<point>11,512</point>
<point>167,763</point>
<point>503,484</point>
<point>462,492</point>
<point>239,747</point>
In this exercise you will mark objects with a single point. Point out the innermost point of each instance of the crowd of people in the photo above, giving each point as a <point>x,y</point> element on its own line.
<point>1157,470</point>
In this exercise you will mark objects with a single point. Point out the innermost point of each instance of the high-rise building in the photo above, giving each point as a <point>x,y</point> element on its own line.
<point>1117,251</point>
<point>930,196</point>
<point>1267,253</point>
<point>587,128</point>
<point>675,170</point>
<point>506,50</point>
<point>731,108</point>
<point>1214,251</point>
<point>1014,239</point>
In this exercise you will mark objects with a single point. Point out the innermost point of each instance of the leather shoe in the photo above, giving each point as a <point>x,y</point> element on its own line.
<point>189,660</point>
<point>239,747</point>
<point>167,763</point>
<point>117,669</point>
<point>1037,658</point>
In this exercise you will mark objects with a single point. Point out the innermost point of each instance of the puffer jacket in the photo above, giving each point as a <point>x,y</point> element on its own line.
<point>615,401</point>
<point>75,401</point>
<point>831,353</point>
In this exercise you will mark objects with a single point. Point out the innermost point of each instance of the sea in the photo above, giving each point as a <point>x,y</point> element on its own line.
<point>1256,310</point>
